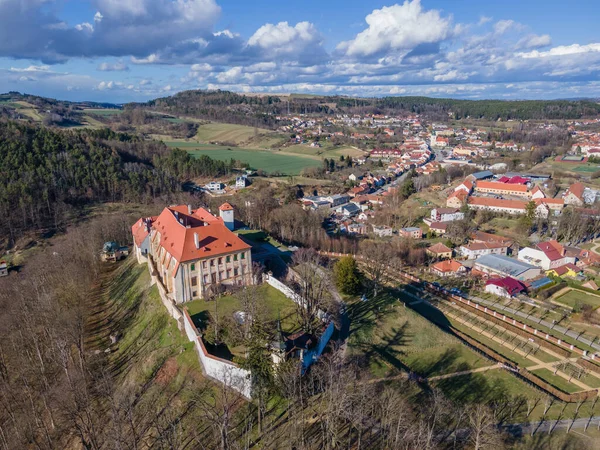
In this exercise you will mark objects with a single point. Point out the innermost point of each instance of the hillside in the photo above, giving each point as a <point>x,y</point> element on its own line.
<point>257,110</point>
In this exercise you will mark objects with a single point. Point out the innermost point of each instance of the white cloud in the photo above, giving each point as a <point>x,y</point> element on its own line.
<point>204,67</point>
<point>502,26</point>
<point>562,50</point>
<point>483,20</point>
<point>284,40</point>
<point>398,27</point>
<point>150,59</point>
<point>534,41</point>
<point>31,69</point>
<point>85,26</point>
<point>115,67</point>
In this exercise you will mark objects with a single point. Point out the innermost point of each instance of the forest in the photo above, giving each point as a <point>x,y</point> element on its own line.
<point>46,173</point>
<point>259,110</point>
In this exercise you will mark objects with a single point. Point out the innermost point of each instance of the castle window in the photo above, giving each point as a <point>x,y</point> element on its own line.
<point>193,267</point>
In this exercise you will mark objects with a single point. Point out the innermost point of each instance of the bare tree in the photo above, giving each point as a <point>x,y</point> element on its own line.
<point>483,427</point>
<point>312,284</point>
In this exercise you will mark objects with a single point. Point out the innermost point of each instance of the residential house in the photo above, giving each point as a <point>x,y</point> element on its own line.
<point>439,251</point>
<point>574,195</point>
<point>382,230</point>
<point>3,269</point>
<point>504,287</point>
<point>506,267</point>
<point>568,270</point>
<point>241,182</point>
<point>193,253</point>
<point>448,268</point>
<point>466,186</point>
<point>457,199</point>
<point>349,210</point>
<point>357,228</point>
<point>481,236</point>
<point>547,255</point>
<point>411,232</point>
<point>536,193</point>
<point>215,186</point>
<point>438,228</point>
<point>446,215</point>
<point>337,199</point>
<point>590,285</point>
<point>474,250</point>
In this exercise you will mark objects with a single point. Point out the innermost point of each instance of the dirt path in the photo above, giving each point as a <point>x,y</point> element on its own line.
<point>465,372</point>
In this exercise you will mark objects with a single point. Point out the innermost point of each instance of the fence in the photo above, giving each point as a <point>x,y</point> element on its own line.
<point>219,369</point>
<point>545,340</point>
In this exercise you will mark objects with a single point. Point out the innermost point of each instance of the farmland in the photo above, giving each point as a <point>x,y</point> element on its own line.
<point>103,112</point>
<point>269,161</point>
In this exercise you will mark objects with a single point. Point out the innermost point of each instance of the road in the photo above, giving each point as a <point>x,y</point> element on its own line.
<point>551,425</point>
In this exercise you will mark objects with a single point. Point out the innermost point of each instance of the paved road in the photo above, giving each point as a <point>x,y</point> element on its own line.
<point>551,425</point>
<point>572,334</point>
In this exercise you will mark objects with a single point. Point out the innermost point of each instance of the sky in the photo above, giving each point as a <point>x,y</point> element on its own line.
<point>135,50</point>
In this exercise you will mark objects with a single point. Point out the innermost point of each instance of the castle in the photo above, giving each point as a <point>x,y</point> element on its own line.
<point>193,251</point>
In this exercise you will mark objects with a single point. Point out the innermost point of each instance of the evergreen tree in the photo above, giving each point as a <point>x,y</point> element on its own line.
<point>347,277</point>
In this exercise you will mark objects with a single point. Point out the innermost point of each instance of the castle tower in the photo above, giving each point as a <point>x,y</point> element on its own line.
<point>226,213</point>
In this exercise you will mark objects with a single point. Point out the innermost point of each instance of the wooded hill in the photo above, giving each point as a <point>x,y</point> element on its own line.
<point>259,110</point>
<point>45,172</point>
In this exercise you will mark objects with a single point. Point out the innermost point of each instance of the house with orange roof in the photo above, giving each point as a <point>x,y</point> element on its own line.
<point>439,251</point>
<point>574,195</point>
<point>457,199</point>
<point>547,255</point>
<point>193,252</point>
<point>448,268</point>
<point>466,186</point>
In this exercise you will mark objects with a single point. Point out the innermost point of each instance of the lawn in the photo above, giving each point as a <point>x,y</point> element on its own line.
<point>268,161</point>
<point>556,381</point>
<point>574,297</point>
<point>275,303</point>
<point>393,338</point>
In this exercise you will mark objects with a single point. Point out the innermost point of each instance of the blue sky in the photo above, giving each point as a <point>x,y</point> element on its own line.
<point>135,50</point>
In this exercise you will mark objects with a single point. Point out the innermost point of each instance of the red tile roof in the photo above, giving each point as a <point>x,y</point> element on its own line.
<point>140,231</point>
<point>511,285</point>
<point>577,190</point>
<point>439,248</point>
<point>501,186</point>
<point>497,203</point>
<point>225,207</point>
<point>449,265</point>
<point>177,229</point>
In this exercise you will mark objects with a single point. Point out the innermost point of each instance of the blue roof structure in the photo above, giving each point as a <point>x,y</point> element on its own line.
<point>536,284</point>
<point>483,175</point>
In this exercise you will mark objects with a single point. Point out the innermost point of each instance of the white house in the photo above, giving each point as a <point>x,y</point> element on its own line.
<point>547,255</point>
<point>382,230</point>
<point>215,186</point>
<point>446,215</point>
<point>476,249</point>
<point>242,182</point>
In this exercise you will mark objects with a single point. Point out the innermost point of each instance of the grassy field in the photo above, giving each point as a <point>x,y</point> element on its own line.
<point>103,112</point>
<point>556,381</point>
<point>257,159</point>
<point>574,297</point>
<point>393,338</point>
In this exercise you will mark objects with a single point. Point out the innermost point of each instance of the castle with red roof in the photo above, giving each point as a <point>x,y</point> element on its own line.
<point>193,251</point>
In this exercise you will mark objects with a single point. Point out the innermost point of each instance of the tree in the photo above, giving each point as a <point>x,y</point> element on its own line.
<point>408,188</point>
<point>258,362</point>
<point>483,427</point>
<point>312,285</point>
<point>347,277</point>
<point>528,218</point>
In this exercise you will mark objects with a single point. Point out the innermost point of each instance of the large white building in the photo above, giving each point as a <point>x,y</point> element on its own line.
<point>192,251</point>
<point>547,255</point>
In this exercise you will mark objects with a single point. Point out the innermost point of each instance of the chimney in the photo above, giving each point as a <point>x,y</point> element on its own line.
<point>189,209</point>
<point>196,240</point>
